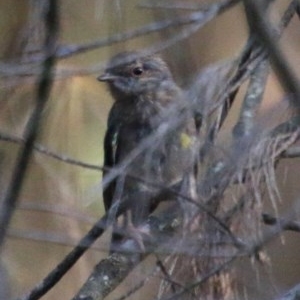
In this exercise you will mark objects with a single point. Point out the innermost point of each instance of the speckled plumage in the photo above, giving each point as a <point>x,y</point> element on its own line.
<point>144,91</point>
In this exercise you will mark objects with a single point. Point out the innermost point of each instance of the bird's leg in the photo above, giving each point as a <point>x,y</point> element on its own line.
<point>116,238</point>
<point>134,232</point>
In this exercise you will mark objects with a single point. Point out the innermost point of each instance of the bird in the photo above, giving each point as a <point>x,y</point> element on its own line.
<point>145,98</point>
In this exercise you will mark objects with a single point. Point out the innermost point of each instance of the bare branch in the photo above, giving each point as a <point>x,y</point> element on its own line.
<point>196,17</point>
<point>281,223</point>
<point>110,272</point>
<point>252,101</point>
<point>44,150</point>
<point>263,30</point>
<point>187,6</point>
<point>43,90</point>
<point>292,294</point>
<point>106,276</point>
<point>48,237</point>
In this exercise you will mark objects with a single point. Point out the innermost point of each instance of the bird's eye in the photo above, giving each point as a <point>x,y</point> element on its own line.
<point>137,71</point>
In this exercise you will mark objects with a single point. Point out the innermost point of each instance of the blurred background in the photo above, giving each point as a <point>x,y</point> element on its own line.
<point>59,202</point>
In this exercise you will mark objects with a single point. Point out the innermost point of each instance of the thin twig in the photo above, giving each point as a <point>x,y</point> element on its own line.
<point>44,150</point>
<point>187,6</point>
<point>282,223</point>
<point>196,17</point>
<point>65,211</point>
<point>167,276</point>
<point>43,90</point>
<point>48,237</point>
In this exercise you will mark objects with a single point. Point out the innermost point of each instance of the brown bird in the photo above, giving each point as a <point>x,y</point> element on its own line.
<point>145,98</point>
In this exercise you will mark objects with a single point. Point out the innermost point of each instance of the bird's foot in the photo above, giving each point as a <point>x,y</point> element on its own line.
<point>138,235</point>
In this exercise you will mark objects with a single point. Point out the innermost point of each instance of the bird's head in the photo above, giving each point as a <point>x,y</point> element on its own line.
<point>129,74</point>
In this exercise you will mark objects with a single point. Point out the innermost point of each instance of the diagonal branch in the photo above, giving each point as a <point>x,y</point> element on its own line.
<point>263,30</point>
<point>63,267</point>
<point>31,131</point>
<point>196,17</point>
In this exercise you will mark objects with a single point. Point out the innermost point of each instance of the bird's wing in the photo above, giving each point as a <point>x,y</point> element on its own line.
<point>110,159</point>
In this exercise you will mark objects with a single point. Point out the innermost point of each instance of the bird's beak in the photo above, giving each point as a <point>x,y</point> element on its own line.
<point>106,77</point>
